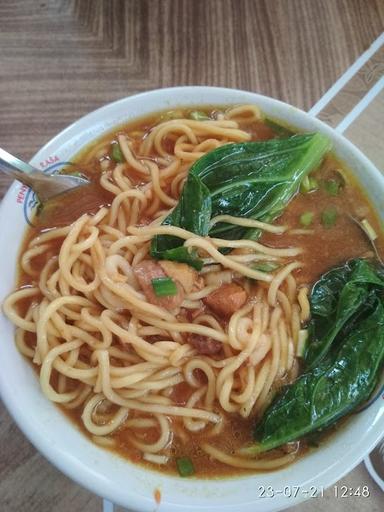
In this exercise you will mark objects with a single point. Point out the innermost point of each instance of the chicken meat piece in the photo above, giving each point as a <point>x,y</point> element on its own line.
<point>180,272</point>
<point>227,299</point>
<point>204,344</point>
<point>147,270</point>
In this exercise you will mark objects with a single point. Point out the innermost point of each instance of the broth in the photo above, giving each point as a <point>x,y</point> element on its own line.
<point>323,249</point>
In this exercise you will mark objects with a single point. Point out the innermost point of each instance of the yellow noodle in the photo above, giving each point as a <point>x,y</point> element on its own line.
<point>248,223</point>
<point>259,385</point>
<point>11,312</point>
<point>106,442</point>
<point>239,462</point>
<point>278,279</point>
<point>301,232</point>
<point>29,254</point>
<point>302,299</point>
<point>129,157</point>
<point>105,349</point>
<point>102,430</point>
<point>163,440</point>
<point>49,235</point>
<point>252,112</point>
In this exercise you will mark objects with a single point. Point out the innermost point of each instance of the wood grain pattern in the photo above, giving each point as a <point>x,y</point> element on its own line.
<point>367,132</point>
<point>349,96</point>
<point>60,59</point>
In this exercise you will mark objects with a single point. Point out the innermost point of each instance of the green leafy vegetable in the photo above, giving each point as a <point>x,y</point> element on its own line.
<point>332,187</point>
<point>347,307</point>
<point>339,295</point>
<point>266,266</point>
<point>116,153</point>
<point>252,179</point>
<point>164,286</point>
<point>185,466</point>
<point>196,115</point>
<point>334,388</point>
<point>306,219</point>
<point>329,217</point>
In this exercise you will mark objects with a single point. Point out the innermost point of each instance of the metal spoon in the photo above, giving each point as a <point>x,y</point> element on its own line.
<point>44,185</point>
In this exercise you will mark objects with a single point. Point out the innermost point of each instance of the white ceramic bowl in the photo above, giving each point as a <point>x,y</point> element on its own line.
<point>111,476</point>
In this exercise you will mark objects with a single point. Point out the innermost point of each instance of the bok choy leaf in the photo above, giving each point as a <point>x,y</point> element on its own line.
<point>347,336</point>
<point>335,299</point>
<point>251,179</point>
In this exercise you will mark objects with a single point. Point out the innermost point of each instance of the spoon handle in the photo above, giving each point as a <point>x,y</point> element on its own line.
<point>16,168</point>
<point>44,185</point>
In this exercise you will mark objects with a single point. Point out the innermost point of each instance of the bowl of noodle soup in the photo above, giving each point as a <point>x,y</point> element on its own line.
<point>159,361</point>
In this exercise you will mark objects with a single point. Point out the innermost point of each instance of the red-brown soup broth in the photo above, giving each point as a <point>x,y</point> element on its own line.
<point>323,249</point>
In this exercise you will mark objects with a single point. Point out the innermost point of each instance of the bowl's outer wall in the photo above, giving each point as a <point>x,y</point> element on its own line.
<point>111,476</point>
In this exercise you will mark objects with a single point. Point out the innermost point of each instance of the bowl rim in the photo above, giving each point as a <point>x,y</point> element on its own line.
<point>84,474</point>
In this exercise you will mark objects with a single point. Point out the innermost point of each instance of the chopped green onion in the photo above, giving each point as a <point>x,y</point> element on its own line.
<point>164,286</point>
<point>116,153</point>
<point>329,217</point>
<point>304,185</point>
<point>309,184</point>
<point>266,266</point>
<point>72,173</point>
<point>302,342</point>
<point>172,114</point>
<point>185,466</point>
<point>371,233</point>
<point>77,174</point>
<point>313,183</point>
<point>197,115</point>
<point>306,218</point>
<point>332,187</point>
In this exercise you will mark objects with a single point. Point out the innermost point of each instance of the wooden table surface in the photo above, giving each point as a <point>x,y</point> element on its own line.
<point>60,59</point>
